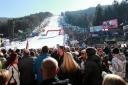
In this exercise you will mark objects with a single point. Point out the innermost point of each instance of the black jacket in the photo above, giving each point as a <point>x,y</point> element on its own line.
<point>93,71</point>
<point>55,81</point>
<point>74,77</point>
<point>26,66</point>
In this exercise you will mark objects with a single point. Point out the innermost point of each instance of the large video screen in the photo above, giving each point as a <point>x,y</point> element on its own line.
<point>110,24</point>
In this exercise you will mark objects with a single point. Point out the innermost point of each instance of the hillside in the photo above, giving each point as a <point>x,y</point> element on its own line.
<point>88,11</point>
<point>3,20</point>
<point>19,28</point>
<point>80,21</point>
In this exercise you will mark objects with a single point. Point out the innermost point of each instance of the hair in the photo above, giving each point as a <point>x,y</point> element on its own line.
<point>4,76</point>
<point>115,51</point>
<point>90,51</point>
<point>67,49</point>
<point>45,49</point>
<point>49,65</point>
<point>62,47</point>
<point>106,50</point>
<point>73,49</point>
<point>69,64</point>
<point>17,50</point>
<point>3,51</point>
<point>112,79</point>
<point>32,53</point>
<point>83,51</point>
<point>12,58</point>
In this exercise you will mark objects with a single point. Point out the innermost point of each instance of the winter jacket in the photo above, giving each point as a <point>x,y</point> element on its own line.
<point>93,71</point>
<point>26,67</point>
<point>55,81</point>
<point>37,66</point>
<point>119,65</point>
<point>74,77</point>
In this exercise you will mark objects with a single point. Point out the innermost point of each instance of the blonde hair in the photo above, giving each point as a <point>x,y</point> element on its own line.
<point>112,79</point>
<point>69,64</point>
<point>4,76</point>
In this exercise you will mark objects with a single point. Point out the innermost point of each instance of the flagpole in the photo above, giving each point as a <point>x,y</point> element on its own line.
<point>27,45</point>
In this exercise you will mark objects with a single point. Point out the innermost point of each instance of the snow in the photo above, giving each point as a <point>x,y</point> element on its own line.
<point>49,36</point>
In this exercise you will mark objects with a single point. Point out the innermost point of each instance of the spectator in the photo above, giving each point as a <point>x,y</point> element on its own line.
<point>111,79</point>
<point>83,57</point>
<point>59,54</point>
<point>18,51</point>
<point>5,53</point>
<point>33,54</point>
<point>118,63</point>
<point>26,68</point>
<point>4,77</point>
<point>3,60</point>
<point>13,69</point>
<point>107,52</point>
<point>93,68</point>
<point>70,69</point>
<point>104,59</point>
<point>38,61</point>
<point>100,53</point>
<point>49,68</point>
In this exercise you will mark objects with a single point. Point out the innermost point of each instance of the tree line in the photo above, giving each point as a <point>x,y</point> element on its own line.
<point>10,27</point>
<point>96,17</point>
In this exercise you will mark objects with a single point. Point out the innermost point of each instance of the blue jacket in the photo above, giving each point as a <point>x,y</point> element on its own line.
<point>37,66</point>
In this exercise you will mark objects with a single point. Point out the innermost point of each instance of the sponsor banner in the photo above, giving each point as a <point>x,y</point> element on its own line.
<point>96,28</point>
<point>95,35</point>
<point>125,27</point>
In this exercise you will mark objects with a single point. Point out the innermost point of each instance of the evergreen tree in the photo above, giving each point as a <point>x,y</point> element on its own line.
<point>98,16</point>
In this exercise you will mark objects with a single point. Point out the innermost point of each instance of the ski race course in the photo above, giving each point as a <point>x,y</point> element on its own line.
<point>50,35</point>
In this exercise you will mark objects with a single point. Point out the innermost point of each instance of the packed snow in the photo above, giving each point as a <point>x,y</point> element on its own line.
<point>50,35</point>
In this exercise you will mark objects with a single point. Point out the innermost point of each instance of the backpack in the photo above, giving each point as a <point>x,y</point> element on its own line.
<point>12,80</point>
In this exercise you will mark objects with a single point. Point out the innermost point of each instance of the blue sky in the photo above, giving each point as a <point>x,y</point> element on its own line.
<point>19,8</point>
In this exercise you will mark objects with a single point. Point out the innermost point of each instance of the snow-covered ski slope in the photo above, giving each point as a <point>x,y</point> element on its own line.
<point>50,35</point>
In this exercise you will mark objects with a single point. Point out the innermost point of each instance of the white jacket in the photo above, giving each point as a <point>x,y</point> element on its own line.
<point>119,65</point>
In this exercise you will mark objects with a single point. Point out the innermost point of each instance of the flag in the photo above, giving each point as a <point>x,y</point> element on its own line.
<point>27,45</point>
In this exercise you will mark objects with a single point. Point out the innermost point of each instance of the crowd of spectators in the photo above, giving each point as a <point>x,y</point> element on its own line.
<point>64,66</point>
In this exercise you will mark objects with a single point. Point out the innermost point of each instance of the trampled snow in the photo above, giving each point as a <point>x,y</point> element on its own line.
<point>49,35</point>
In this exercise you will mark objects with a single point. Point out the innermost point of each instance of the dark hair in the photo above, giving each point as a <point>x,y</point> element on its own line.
<point>45,49</point>
<point>17,50</point>
<point>11,59</point>
<point>62,47</point>
<point>26,52</point>
<point>90,51</point>
<point>115,51</point>
<point>4,51</point>
<point>32,53</point>
<point>107,50</point>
